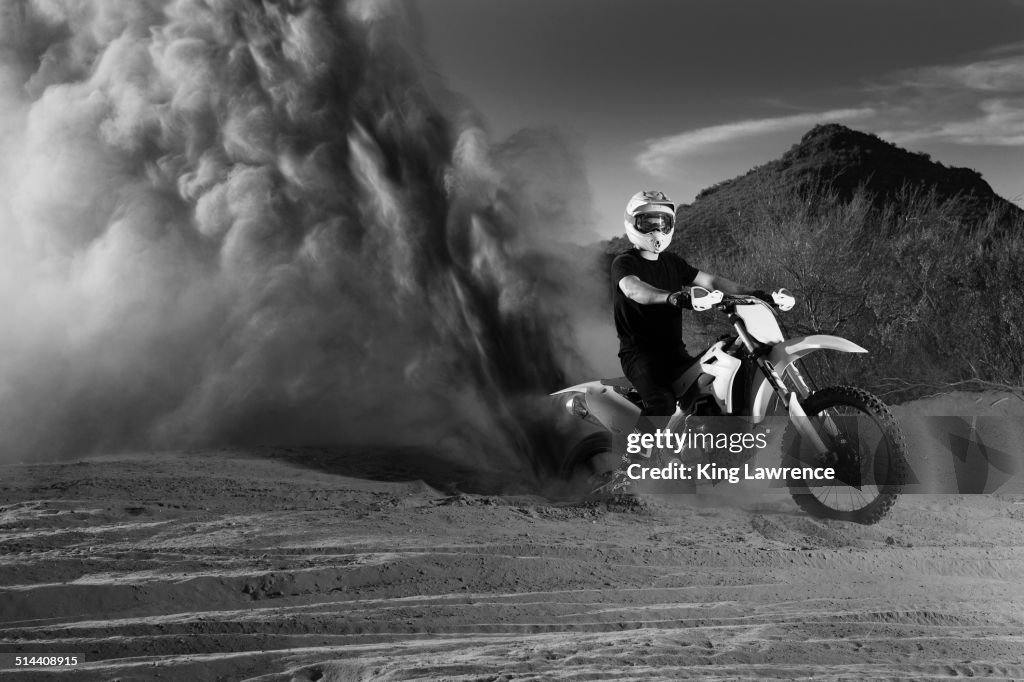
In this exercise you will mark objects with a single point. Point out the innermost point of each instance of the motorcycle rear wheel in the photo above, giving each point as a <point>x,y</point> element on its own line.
<point>868,453</point>
<point>590,462</point>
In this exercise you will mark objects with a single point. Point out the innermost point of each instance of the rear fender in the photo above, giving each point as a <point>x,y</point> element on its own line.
<point>608,406</point>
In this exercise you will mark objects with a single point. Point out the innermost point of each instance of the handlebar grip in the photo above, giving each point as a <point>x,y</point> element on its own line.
<point>679,299</point>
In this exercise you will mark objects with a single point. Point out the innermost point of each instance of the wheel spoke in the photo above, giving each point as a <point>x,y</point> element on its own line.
<point>855,426</point>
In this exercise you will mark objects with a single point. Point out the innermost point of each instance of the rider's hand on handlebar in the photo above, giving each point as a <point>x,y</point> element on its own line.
<point>679,299</point>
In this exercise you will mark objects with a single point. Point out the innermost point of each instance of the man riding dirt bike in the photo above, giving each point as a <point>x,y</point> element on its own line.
<point>647,304</point>
<point>749,375</point>
<point>647,301</point>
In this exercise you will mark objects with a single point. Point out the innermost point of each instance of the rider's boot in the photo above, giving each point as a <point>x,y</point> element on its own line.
<point>687,427</point>
<point>678,448</point>
<point>618,481</point>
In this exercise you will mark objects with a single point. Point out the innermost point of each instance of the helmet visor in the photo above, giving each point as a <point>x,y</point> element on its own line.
<point>646,223</point>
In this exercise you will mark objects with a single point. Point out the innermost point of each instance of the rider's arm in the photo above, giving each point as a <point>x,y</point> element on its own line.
<point>712,282</point>
<point>636,289</point>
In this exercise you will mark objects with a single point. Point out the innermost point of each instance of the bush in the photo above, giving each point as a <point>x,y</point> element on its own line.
<point>936,301</point>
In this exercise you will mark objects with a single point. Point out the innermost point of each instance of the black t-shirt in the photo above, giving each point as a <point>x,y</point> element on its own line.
<point>657,327</point>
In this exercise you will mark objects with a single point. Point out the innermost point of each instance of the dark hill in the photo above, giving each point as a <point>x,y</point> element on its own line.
<point>833,159</point>
<point>881,246</point>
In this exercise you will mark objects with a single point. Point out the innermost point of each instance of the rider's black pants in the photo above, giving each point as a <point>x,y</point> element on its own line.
<point>652,373</point>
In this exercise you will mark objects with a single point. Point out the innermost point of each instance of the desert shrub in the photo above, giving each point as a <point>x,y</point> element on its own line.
<point>936,300</point>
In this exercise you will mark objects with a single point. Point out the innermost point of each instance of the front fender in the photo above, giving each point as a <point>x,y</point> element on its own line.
<point>786,353</point>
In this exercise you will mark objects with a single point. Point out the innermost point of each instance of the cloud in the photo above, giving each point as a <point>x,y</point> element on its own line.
<point>1005,74</point>
<point>662,154</point>
<point>1008,48</point>
<point>1000,123</point>
<point>977,103</point>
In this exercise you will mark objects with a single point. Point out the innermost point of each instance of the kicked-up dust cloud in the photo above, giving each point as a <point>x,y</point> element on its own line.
<point>234,222</point>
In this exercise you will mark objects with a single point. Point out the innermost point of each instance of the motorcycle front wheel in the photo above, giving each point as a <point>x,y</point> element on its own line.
<point>866,449</point>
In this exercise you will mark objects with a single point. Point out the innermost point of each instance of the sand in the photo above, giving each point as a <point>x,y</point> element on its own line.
<point>311,564</point>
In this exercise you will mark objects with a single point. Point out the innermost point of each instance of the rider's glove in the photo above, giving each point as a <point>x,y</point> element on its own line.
<point>763,295</point>
<point>679,299</point>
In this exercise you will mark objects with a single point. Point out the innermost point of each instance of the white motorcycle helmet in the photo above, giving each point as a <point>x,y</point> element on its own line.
<point>650,221</point>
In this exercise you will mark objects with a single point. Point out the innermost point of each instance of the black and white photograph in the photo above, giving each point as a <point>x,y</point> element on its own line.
<point>511,340</point>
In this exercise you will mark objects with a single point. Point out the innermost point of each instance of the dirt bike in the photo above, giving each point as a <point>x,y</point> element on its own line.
<point>753,374</point>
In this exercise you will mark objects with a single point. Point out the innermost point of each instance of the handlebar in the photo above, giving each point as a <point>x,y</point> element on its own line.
<point>705,300</point>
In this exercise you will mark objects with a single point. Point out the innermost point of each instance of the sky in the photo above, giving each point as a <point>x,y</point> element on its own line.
<point>678,95</point>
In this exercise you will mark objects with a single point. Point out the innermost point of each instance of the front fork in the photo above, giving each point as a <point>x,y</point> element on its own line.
<point>790,398</point>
